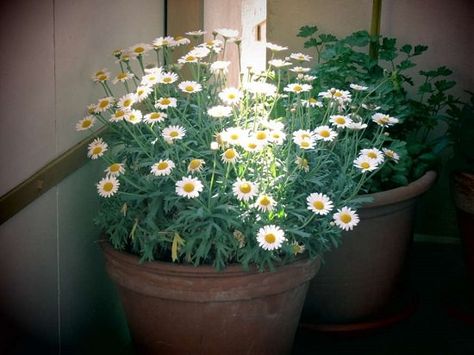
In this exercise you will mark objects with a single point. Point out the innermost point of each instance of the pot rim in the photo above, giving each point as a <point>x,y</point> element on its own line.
<point>402,193</point>
<point>210,271</point>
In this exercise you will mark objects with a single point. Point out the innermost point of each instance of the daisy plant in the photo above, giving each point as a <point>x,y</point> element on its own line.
<point>199,171</point>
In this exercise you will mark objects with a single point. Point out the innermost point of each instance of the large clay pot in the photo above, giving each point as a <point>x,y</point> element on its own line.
<point>360,277</point>
<point>464,200</point>
<point>181,309</point>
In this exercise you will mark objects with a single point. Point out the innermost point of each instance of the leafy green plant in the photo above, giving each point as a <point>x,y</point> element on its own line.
<point>418,100</point>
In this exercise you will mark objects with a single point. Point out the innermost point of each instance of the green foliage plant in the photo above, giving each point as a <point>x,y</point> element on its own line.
<point>200,172</point>
<point>419,100</point>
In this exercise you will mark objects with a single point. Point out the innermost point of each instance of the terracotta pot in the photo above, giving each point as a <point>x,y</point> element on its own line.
<point>181,309</point>
<point>463,192</point>
<point>360,277</point>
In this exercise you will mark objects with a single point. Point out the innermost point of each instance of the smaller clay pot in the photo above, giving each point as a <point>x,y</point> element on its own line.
<point>463,193</point>
<point>181,309</point>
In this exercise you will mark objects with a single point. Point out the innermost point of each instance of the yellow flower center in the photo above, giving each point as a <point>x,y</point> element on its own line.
<point>305,144</point>
<point>297,88</point>
<point>365,165</point>
<point>265,201</point>
<point>234,136</point>
<point>127,102</point>
<point>305,136</point>
<point>231,96</point>
<point>139,50</point>
<point>104,103</point>
<point>97,150</point>
<point>318,205</point>
<point>190,58</point>
<point>152,78</point>
<point>155,116</point>
<point>165,101</point>
<point>188,187</point>
<point>99,73</point>
<point>189,88</point>
<point>270,238</point>
<point>338,94</point>
<point>340,120</point>
<point>121,76</point>
<point>252,145</point>
<point>114,168</point>
<point>162,165</point>
<point>372,155</point>
<point>140,92</point>
<point>174,134</point>
<point>86,123</point>
<point>108,186</point>
<point>195,164</point>
<point>312,100</point>
<point>261,135</point>
<point>167,79</point>
<point>245,188</point>
<point>324,134</point>
<point>345,218</point>
<point>102,77</point>
<point>229,154</point>
<point>119,113</point>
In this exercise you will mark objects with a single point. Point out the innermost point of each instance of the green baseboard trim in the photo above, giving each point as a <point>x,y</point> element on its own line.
<point>439,239</point>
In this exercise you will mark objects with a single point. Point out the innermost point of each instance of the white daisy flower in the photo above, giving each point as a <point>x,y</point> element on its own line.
<point>230,96</point>
<point>214,45</point>
<point>311,102</point>
<point>153,117</point>
<point>154,70</point>
<point>189,87</point>
<point>275,47</point>
<point>279,63</point>
<point>189,187</point>
<point>357,126</point>
<point>319,203</point>
<point>104,104</point>
<point>188,58</point>
<point>172,133</point>
<point>365,164</point>
<point>309,78</point>
<point>270,237</point>
<point>230,156</point>
<point>219,111</point>
<point>391,154</point>
<point>265,203</point>
<point>86,123</point>
<point>122,77</point>
<point>244,190</point>
<point>115,169</point>
<point>168,78</point>
<point>297,88</point>
<point>261,136</point>
<point>133,116</point>
<point>342,96</point>
<point>384,120</point>
<point>165,102</point>
<point>374,154</point>
<point>358,87</point>
<point>220,66</point>
<point>101,76</point>
<point>340,121</point>
<point>200,52</point>
<point>118,116</point>
<point>302,164</point>
<point>91,109</point>
<point>302,134</point>
<point>196,165</point>
<point>142,93</point>
<point>260,88</point>
<point>126,102</point>
<point>108,186</point>
<point>160,42</point>
<point>139,49</point>
<point>300,57</point>
<point>250,144</point>
<point>234,135</point>
<point>300,70</point>
<point>305,143</point>
<point>325,133</point>
<point>277,137</point>
<point>97,148</point>
<point>162,168</point>
<point>196,33</point>
<point>150,79</point>
<point>227,33</point>
<point>345,218</point>
<point>273,125</point>
<point>180,41</point>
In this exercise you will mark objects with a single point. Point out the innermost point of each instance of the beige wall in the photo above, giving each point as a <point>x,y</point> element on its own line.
<point>52,280</point>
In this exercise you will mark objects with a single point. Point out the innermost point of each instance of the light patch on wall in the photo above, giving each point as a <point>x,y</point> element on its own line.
<point>254,16</point>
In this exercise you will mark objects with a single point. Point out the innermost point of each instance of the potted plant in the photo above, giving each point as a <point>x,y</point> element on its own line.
<point>461,134</point>
<point>366,282</point>
<point>218,201</point>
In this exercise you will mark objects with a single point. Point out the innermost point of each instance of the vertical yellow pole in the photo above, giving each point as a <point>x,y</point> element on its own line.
<point>375,28</point>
